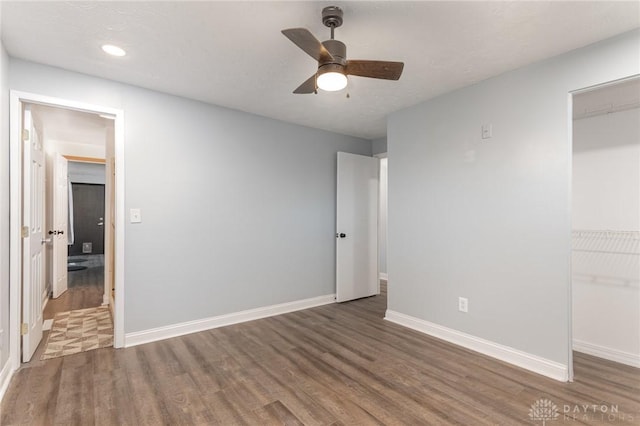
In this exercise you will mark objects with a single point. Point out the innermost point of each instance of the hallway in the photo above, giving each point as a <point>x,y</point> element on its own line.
<point>86,286</point>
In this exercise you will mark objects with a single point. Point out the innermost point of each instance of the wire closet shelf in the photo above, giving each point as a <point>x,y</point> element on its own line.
<point>606,257</point>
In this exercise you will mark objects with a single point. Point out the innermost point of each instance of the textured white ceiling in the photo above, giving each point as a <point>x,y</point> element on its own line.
<point>233,54</point>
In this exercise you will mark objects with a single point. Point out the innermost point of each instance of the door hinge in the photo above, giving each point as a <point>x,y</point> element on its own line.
<point>24,329</point>
<point>25,135</point>
<point>25,231</point>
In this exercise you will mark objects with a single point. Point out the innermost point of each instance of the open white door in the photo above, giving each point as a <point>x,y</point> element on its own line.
<point>33,272</point>
<point>59,232</point>
<point>357,227</point>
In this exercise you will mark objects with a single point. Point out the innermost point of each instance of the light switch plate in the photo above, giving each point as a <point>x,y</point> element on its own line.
<point>463,304</point>
<point>135,216</point>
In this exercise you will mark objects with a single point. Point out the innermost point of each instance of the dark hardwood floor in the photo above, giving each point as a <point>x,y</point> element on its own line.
<point>85,287</point>
<point>339,364</point>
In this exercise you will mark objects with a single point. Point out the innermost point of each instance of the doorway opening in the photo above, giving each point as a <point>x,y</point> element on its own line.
<point>75,145</point>
<point>67,132</point>
<point>605,259</point>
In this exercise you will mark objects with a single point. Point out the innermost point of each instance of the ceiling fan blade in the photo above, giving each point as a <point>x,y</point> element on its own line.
<point>375,69</point>
<point>308,86</point>
<point>302,38</point>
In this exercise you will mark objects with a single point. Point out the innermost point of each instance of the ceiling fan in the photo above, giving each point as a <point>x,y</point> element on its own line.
<point>333,66</point>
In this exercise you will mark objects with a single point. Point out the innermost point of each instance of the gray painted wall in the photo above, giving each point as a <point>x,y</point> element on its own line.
<point>238,211</point>
<point>86,172</point>
<point>379,146</point>
<point>4,206</point>
<point>490,220</point>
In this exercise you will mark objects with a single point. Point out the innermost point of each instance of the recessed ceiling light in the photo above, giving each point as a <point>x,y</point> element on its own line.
<point>113,50</point>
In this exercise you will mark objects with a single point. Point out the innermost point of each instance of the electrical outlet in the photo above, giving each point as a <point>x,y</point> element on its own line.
<point>463,304</point>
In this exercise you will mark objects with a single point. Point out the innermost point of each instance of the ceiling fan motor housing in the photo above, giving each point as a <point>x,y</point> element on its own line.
<point>338,50</point>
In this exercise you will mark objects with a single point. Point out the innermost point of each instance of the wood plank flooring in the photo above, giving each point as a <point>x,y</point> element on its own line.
<point>331,365</point>
<point>85,288</point>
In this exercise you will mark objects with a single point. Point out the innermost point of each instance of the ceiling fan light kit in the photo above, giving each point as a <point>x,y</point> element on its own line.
<point>331,78</point>
<point>333,66</point>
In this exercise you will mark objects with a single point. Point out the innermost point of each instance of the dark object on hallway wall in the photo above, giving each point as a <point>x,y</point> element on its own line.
<point>88,218</point>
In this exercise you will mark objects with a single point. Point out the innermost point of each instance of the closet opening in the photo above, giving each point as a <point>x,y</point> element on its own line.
<point>605,259</point>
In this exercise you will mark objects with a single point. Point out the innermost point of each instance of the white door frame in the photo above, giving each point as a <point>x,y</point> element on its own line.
<point>15,215</point>
<point>381,275</point>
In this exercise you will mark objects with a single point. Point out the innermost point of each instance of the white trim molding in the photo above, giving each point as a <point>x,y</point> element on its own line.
<point>180,329</point>
<point>507,354</point>
<point>611,354</point>
<point>6,373</point>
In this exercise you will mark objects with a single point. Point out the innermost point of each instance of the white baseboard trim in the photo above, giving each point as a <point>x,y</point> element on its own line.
<point>507,354</point>
<point>161,333</point>
<point>5,378</point>
<point>607,353</point>
<point>383,276</point>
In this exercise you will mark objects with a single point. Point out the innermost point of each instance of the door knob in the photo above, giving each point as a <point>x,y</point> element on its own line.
<point>46,241</point>
<point>53,232</point>
<point>60,232</point>
<point>341,235</point>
